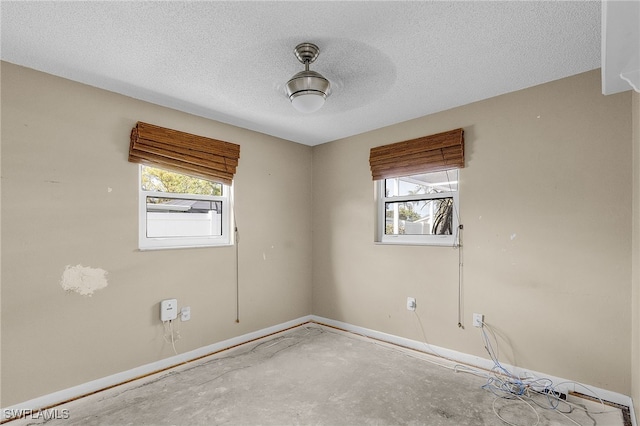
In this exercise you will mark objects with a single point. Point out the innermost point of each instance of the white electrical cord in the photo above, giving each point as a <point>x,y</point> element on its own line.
<point>458,368</point>
<point>497,412</point>
<point>506,385</point>
<point>173,339</point>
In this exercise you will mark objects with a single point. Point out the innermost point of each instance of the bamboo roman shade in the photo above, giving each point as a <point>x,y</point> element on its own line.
<point>443,151</point>
<point>183,152</point>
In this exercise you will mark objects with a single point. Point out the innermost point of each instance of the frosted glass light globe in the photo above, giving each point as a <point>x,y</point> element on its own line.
<point>308,102</point>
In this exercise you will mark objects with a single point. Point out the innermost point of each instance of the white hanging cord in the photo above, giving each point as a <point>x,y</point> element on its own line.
<point>460,270</point>
<point>237,243</point>
<point>171,332</point>
<point>457,243</point>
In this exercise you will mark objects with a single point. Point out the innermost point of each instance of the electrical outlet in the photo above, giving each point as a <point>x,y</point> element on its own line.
<point>478,319</point>
<point>185,313</point>
<point>411,303</point>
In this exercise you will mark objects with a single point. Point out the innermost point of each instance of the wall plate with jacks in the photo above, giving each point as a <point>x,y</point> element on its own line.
<point>411,303</point>
<point>478,319</point>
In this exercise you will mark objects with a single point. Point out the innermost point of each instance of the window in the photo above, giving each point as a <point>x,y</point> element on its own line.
<point>419,209</point>
<point>177,210</point>
<point>417,189</point>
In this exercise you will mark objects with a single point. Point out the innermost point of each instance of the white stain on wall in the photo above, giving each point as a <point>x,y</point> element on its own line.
<point>83,279</point>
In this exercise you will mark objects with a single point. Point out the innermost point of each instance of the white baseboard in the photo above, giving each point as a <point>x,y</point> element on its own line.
<point>74,392</point>
<point>564,385</point>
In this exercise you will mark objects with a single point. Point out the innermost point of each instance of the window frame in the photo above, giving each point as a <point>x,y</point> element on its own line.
<point>451,240</point>
<point>160,243</point>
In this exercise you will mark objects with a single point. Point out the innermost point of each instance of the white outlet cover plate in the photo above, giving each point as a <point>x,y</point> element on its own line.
<point>477,320</point>
<point>185,313</point>
<point>411,303</point>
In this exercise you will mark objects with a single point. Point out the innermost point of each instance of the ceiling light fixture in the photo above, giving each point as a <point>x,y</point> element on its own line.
<point>307,90</point>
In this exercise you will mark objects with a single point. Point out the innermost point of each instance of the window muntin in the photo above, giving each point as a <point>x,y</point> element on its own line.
<point>178,211</point>
<point>419,209</point>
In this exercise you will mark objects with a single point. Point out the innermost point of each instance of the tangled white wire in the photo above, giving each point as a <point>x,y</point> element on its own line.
<point>507,386</point>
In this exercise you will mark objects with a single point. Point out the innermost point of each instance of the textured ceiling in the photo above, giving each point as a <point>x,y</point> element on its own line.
<point>388,62</point>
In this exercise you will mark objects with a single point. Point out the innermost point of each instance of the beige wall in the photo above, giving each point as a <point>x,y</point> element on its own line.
<point>635,329</point>
<point>546,207</point>
<point>545,259</point>
<point>69,197</point>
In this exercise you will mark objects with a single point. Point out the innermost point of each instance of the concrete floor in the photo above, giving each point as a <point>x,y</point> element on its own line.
<point>312,375</point>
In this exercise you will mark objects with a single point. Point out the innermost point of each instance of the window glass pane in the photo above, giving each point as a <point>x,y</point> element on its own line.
<point>421,217</point>
<point>183,217</point>
<point>428,183</point>
<point>159,180</point>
